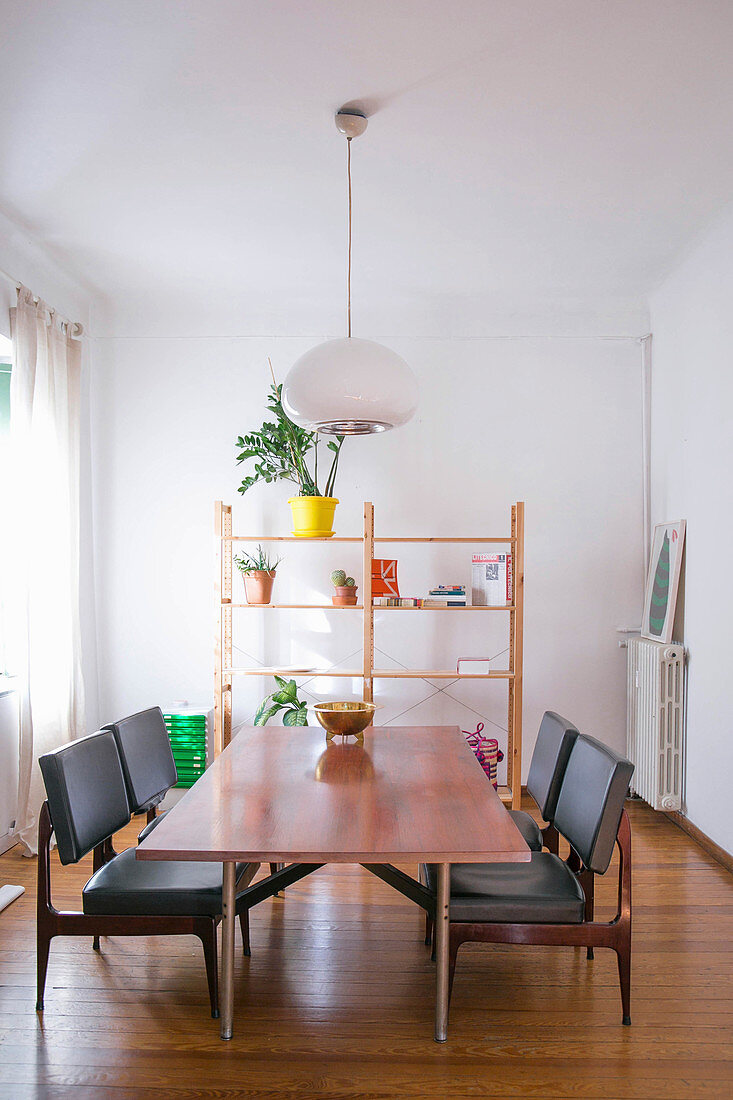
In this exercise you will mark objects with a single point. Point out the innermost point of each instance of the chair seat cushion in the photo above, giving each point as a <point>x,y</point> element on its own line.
<point>529,829</point>
<point>135,887</point>
<point>543,891</point>
<point>147,829</point>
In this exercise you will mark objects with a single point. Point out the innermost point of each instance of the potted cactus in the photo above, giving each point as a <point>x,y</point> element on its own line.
<point>258,573</point>
<point>345,594</point>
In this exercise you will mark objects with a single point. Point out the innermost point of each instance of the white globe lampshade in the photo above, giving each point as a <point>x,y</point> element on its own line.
<point>350,387</point>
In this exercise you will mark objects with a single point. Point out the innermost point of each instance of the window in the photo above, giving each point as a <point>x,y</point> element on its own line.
<point>5,350</point>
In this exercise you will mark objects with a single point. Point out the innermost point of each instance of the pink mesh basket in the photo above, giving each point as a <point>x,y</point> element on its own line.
<point>487,752</point>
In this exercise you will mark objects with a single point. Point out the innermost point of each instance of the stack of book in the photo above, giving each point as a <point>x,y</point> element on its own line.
<point>397,601</point>
<point>446,595</point>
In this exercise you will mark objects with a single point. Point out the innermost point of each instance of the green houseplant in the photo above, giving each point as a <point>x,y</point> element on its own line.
<point>286,699</point>
<point>282,451</point>
<point>258,573</point>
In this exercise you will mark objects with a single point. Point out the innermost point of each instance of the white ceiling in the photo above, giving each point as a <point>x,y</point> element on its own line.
<point>522,159</point>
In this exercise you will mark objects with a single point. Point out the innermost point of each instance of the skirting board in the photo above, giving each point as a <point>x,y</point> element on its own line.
<point>701,838</point>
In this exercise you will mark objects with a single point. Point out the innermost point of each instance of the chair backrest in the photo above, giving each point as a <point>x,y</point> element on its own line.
<point>591,801</point>
<point>555,739</point>
<point>86,793</point>
<point>147,759</point>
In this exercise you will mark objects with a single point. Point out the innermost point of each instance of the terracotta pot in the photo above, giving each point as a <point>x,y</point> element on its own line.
<point>258,585</point>
<point>345,595</point>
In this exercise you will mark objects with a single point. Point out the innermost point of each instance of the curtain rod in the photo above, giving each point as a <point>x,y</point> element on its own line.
<point>77,328</point>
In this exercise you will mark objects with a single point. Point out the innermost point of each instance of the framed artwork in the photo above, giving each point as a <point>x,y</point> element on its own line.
<point>662,581</point>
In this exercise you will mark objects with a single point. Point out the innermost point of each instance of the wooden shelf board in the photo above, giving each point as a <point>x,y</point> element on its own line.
<point>501,607</point>
<point>495,538</point>
<point>351,673</point>
<point>438,674</point>
<point>285,538</point>
<point>353,538</point>
<point>295,606</point>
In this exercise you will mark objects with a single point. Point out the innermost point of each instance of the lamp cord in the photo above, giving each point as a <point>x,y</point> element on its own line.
<point>348,272</point>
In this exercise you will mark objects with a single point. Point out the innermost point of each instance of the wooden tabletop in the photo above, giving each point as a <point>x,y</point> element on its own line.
<point>280,794</point>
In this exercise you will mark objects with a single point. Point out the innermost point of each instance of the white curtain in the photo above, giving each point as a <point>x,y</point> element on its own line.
<point>43,529</point>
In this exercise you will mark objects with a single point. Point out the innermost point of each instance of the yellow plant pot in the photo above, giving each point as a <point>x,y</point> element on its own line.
<point>313,517</point>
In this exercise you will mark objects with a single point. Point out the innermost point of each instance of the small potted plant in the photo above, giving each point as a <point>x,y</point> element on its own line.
<point>258,573</point>
<point>345,594</point>
<point>285,699</point>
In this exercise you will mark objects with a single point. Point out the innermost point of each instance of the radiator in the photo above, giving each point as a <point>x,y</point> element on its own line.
<point>655,721</point>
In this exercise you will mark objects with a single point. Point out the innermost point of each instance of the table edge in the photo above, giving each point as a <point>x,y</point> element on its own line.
<point>279,856</point>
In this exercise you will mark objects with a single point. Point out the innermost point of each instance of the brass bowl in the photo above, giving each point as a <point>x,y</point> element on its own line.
<point>346,719</point>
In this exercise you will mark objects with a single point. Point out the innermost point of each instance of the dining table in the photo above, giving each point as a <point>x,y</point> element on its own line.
<point>283,795</point>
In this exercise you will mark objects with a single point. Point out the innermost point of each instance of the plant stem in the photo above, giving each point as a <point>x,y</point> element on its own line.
<point>330,483</point>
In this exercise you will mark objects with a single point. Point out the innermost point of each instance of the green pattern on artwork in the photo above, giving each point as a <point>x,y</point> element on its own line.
<point>660,590</point>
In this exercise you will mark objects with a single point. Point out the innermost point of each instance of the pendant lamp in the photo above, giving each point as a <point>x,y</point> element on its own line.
<point>350,386</point>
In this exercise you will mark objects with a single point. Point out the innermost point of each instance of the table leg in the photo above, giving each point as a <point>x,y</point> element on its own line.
<point>442,920</point>
<point>227,949</point>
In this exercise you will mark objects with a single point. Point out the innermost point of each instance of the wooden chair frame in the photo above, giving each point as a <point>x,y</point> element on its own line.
<point>52,922</point>
<point>616,934</point>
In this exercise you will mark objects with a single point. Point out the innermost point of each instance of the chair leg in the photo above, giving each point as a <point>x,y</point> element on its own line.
<point>43,944</point>
<point>428,930</point>
<point>623,954</point>
<point>589,884</point>
<point>207,934</point>
<point>244,925</point>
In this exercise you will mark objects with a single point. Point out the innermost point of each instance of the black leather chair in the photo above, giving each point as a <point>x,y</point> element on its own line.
<point>544,901</point>
<point>150,772</point>
<point>551,753</point>
<point>147,762</point>
<point>555,739</point>
<point>87,803</point>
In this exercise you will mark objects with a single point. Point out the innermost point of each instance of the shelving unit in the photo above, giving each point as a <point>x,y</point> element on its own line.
<point>225,671</point>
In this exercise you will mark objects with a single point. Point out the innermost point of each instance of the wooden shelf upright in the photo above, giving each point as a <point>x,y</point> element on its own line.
<point>224,671</point>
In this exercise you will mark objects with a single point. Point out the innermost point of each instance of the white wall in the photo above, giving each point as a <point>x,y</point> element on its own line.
<point>555,422</point>
<point>692,459</point>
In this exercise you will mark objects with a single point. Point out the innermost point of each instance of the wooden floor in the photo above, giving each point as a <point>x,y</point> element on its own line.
<point>337,999</point>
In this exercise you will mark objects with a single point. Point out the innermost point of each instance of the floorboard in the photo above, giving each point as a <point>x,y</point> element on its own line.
<point>337,999</point>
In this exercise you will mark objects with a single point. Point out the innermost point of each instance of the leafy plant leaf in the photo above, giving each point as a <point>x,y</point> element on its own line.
<point>292,690</point>
<point>296,717</point>
<point>265,711</point>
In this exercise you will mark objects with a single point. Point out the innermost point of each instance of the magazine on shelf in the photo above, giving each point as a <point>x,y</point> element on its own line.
<point>491,580</point>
